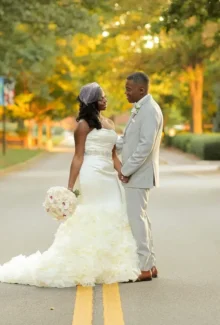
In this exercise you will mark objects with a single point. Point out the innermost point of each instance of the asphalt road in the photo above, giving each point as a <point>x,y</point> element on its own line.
<point>185,214</point>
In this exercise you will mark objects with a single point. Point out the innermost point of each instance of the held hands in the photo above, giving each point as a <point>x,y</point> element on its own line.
<point>123,179</point>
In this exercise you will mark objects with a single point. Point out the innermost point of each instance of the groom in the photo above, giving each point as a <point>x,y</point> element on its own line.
<point>140,166</point>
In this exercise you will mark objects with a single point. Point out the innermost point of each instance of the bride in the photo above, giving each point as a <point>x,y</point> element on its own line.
<point>95,245</point>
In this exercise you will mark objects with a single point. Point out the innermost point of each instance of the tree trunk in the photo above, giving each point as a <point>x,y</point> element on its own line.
<point>48,134</point>
<point>196,77</point>
<point>40,135</point>
<point>216,119</point>
<point>29,135</point>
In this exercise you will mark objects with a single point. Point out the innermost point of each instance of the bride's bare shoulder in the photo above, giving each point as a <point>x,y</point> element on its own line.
<point>82,128</point>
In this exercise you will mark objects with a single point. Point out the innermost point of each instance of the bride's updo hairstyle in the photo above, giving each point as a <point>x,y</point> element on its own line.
<point>88,99</point>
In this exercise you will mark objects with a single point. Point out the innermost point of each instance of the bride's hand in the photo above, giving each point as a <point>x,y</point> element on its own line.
<point>123,178</point>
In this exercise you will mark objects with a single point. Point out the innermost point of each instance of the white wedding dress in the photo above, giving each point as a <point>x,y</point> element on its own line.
<point>95,245</point>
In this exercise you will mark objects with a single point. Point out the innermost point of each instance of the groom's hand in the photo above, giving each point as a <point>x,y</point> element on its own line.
<point>123,178</point>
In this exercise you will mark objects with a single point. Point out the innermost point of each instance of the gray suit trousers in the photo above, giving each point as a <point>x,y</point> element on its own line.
<point>137,202</point>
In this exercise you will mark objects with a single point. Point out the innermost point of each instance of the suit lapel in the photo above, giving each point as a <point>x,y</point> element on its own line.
<point>129,122</point>
<point>133,114</point>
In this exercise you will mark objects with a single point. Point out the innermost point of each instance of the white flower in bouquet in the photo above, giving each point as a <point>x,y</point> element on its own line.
<point>60,203</point>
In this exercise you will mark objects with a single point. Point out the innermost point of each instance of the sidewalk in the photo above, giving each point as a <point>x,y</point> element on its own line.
<point>175,160</point>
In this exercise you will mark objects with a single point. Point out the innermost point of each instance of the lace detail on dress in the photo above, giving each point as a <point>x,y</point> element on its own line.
<point>101,153</point>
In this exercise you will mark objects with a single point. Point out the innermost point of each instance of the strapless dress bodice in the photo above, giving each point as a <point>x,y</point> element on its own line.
<point>100,142</point>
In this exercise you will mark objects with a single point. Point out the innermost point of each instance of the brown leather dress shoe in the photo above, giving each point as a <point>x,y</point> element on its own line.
<point>154,272</point>
<point>144,276</point>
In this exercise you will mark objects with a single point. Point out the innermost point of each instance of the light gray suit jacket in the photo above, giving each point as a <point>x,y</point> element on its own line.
<point>140,145</point>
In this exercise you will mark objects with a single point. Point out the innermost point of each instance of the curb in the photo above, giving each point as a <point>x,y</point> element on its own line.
<point>22,165</point>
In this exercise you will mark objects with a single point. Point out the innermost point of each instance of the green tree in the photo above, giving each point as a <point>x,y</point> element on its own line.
<point>193,33</point>
<point>36,45</point>
<point>174,39</point>
<point>29,28</point>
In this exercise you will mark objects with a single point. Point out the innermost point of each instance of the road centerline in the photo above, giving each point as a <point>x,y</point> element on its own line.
<point>112,305</point>
<point>83,311</point>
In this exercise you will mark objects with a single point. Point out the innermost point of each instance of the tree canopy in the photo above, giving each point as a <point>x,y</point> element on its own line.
<point>53,47</point>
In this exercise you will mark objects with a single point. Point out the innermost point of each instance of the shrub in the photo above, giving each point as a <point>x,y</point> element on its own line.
<point>182,141</point>
<point>205,146</point>
<point>167,140</point>
<point>212,151</point>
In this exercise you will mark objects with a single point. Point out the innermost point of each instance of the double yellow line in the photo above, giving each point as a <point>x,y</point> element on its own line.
<point>83,312</point>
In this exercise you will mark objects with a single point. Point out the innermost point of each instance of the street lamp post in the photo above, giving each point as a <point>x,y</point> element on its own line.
<point>7,86</point>
<point>4,131</point>
<point>2,103</point>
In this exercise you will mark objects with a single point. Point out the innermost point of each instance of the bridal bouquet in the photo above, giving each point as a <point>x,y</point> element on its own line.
<point>60,203</point>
